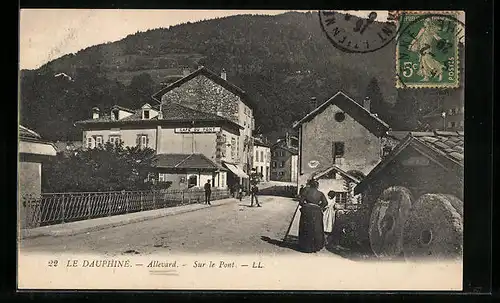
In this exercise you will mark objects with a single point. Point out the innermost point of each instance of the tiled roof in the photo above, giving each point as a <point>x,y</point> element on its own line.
<point>175,111</point>
<point>185,161</point>
<point>290,149</point>
<point>212,76</point>
<point>171,112</point>
<point>123,108</point>
<point>338,170</point>
<point>445,147</point>
<point>449,144</point>
<point>25,132</point>
<point>260,142</point>
<point>370,121</point>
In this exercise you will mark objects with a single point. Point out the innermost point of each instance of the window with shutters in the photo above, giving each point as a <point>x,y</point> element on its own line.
<point>262,156</point>
<point>115,140</point>
<point>274,164</point>
<point>233,148</point>
<point>282,164</point>
<point>90,142</point>
<point>338,149</point>
<point>142,141</point>
<point>162,177</point>
<point>98,141</point>
<point>237,148</point>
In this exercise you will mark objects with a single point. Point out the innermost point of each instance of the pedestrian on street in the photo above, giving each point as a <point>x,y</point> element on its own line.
<point>254,190</point>
<point>208,192</point>
<point>311,229</point>
<point>240,191</point>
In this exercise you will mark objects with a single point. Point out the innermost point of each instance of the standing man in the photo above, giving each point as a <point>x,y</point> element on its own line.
<point>208,192</point>
<point>254,190</point>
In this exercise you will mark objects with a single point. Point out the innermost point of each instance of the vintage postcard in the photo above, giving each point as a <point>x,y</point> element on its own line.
<point>241,150</point>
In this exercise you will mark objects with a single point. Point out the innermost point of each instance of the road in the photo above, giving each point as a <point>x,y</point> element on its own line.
<point>230,228</point>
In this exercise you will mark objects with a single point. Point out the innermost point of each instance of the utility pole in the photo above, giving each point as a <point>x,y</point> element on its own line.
<point>443,114</point>
<point>192,137</point>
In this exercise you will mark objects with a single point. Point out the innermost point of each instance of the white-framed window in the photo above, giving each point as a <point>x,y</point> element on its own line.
<point>98,140</point>
<point>114,139</point>
<point>237,148</point>
<point>274,164</point>
<point>282,153</point>
<point>223,180</point>
<point>142,141</point>
<point>192,181</point>
<point>162,177</point>
<point>145,114</point>
<point>262,156</point>
<point>257,156</point>
<point>233,148</point>
<point>90,142</point>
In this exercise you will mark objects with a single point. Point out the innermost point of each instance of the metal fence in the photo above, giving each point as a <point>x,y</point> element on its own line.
<point>55,208</point>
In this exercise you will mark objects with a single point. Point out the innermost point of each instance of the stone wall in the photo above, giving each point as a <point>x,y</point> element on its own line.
<point>203,94</point>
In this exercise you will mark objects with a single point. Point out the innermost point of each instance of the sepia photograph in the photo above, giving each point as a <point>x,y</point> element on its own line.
<point>240,149</point>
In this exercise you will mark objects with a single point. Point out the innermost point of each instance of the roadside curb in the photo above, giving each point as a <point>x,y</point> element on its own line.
<point>69,229</point>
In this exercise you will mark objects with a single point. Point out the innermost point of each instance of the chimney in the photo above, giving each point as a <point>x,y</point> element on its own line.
<point>185,72</point>
<point>314,103</point>
<point>366,103</point>
<point>223,74</point>
<point>95,113</point>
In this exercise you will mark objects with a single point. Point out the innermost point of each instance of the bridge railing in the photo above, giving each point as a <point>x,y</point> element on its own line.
<point>55,208</point>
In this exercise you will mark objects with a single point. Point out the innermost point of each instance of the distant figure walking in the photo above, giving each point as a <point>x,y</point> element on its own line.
<point>311,228</point>
<point>254,192</point>
<point>240,191</point>
<point>208,192</point>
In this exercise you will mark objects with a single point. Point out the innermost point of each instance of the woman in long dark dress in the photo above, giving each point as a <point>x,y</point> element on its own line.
<point>311,233</point>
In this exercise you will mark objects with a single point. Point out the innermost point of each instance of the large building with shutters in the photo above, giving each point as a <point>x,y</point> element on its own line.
<point>200,114</point>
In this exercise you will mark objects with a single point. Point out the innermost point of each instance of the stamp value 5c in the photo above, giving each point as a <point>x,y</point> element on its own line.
<point>427,50</point>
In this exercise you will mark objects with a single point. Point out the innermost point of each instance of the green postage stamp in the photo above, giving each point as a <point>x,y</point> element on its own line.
<point>427,50</point>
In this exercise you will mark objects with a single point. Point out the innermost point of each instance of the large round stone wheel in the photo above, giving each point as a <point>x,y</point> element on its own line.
<point>387,220</point>
<point>434,228</point>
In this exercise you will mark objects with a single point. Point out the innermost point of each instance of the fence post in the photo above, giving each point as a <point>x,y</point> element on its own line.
<point>126,202</point>
<point>182,196</point>
<point>62,208</point>
<point>109,204</point>
<point>141,200</point>
<point>154,201</point>
<point>88,207</point>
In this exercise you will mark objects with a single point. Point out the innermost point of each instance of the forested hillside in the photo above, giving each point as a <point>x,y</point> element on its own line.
<point>280,61</point>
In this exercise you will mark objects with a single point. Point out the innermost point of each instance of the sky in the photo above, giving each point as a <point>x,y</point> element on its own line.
<point>47,34</point>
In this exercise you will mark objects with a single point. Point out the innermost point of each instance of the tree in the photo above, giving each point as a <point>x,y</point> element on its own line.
<point>104,168</point>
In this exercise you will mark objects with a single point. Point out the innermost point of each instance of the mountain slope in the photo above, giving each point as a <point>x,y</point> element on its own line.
<point>281,61</point>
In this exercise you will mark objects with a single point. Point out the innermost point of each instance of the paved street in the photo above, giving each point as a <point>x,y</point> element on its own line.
<point>230,228</point>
